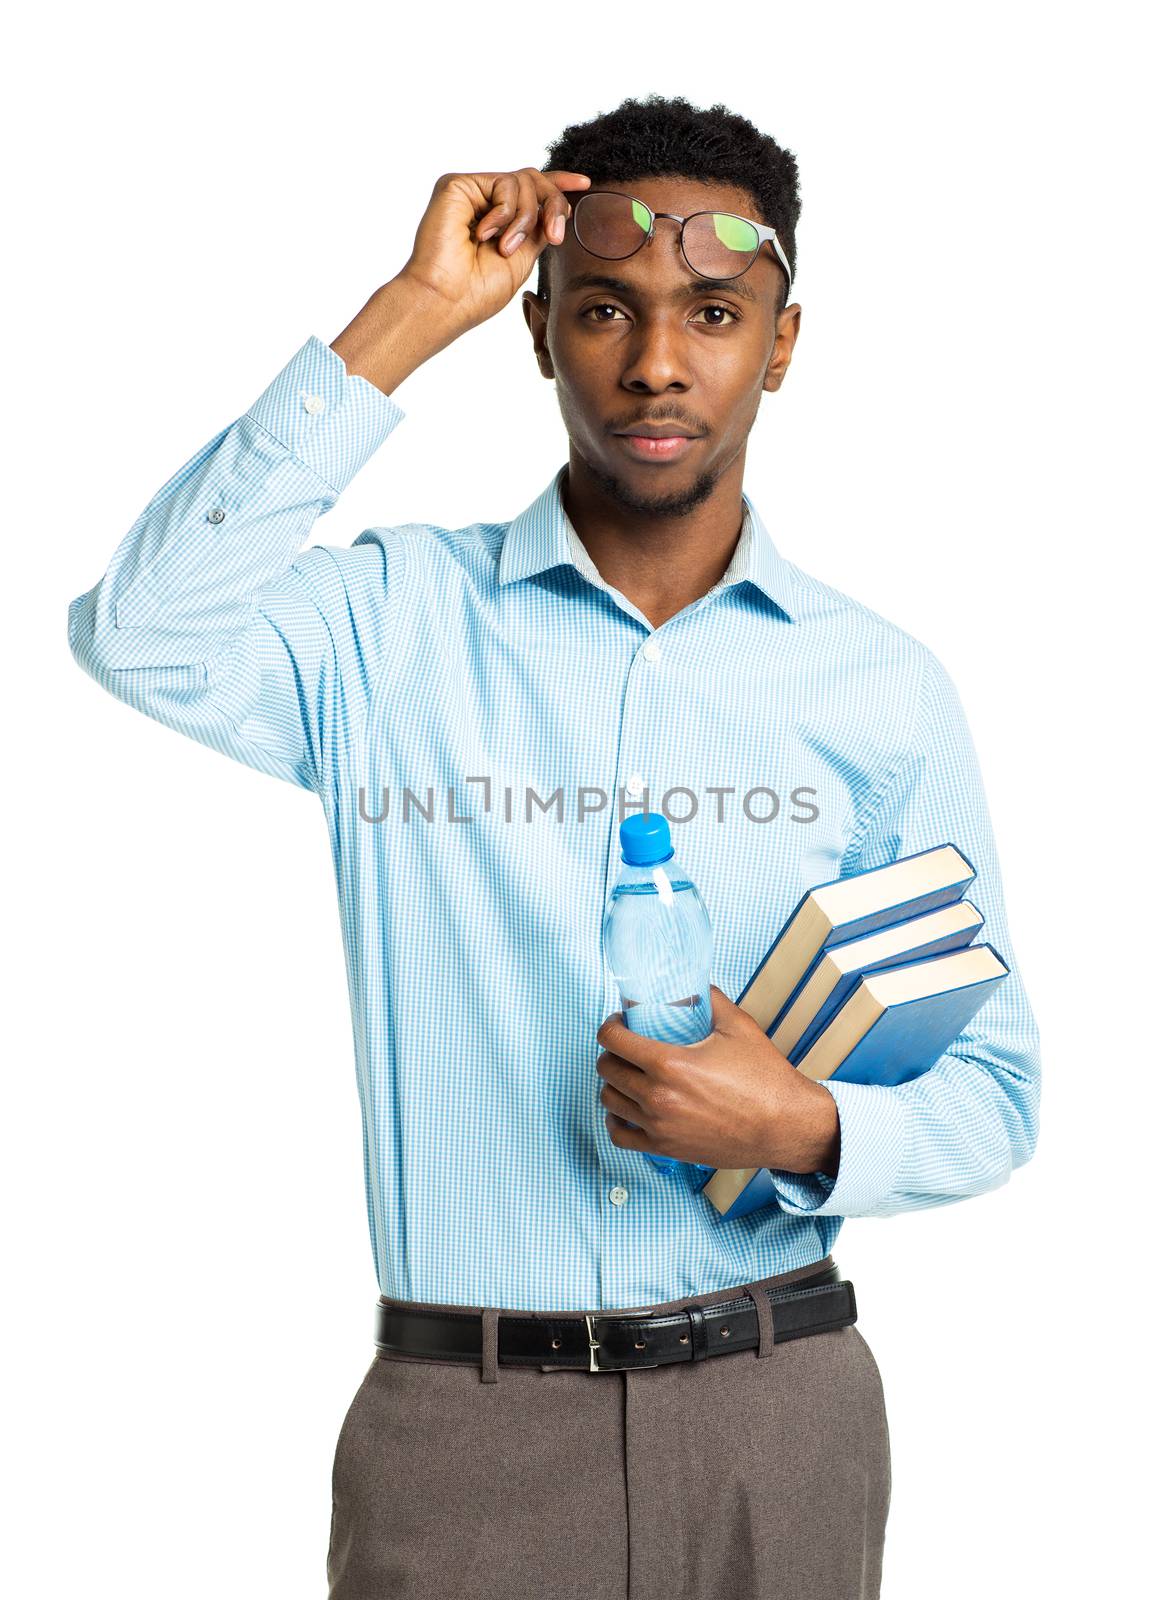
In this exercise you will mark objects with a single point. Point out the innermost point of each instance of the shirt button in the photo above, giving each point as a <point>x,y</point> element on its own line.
<point>217,515</point>
<point>313,403</point>
<point>635,784</point>
<point>618,1195</point>
<point>651,650</point>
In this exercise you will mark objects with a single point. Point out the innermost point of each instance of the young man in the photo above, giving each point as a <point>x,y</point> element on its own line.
<point>567,1394</point>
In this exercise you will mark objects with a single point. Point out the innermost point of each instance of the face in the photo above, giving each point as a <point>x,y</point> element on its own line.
<point>643,340</point>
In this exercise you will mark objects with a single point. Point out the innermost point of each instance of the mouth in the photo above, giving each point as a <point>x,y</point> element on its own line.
<point>656,447</point>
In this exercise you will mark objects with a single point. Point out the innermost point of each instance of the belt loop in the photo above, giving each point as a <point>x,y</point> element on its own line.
<point>697,1332</point>
<point>766,1321</point>
<point>489,1365</point>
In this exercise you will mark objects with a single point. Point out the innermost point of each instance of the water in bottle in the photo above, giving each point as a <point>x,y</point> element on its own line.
<point>658,944</point>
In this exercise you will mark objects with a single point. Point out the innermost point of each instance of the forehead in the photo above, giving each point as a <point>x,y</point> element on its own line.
<point>661,263</point>
<point>681,196</point>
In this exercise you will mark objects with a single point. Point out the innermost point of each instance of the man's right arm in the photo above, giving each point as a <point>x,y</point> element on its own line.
<point>209,617</point>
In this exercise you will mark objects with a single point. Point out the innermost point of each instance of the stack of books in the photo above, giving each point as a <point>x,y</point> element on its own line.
<point>870,980</point>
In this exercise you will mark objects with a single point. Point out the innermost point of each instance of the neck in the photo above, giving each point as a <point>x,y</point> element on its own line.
<point>660,560</point>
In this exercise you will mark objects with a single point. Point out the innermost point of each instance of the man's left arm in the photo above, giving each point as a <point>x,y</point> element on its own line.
<point>961,1128</point>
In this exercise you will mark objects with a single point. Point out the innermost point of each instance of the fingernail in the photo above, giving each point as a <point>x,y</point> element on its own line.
<point>516,240</point>
<point>490,234</point>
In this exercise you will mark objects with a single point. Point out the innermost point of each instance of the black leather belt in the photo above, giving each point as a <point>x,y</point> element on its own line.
<point>622,1341</point>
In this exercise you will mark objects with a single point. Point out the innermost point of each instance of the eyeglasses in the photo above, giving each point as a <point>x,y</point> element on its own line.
<point>715,244</point>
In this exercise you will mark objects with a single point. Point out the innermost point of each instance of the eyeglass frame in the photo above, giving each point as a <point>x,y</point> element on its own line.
<point>765,234</point>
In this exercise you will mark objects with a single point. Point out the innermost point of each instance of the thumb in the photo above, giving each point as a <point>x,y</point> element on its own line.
<point>726,1016</point>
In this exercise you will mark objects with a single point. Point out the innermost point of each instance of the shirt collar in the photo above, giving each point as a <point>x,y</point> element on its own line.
<point>542,537</point>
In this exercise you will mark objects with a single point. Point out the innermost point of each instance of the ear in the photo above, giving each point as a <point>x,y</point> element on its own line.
<point>787,331</point>
<point>536,317</point>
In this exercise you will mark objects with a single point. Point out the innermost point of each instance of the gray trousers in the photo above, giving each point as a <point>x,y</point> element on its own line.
<point>756,1475</point>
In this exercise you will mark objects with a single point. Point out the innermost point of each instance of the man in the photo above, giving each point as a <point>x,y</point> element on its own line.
<point>568,1393</point>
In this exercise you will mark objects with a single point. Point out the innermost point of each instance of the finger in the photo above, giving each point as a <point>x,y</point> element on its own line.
<point>626,1138</point>
<point>631,1082</point>
<point>628,1110</point>
<point>722,1007</point>
<point>527,215</point>
<point>566,180</point>
<point>563,209</point>
<point>552,220</point>
<point>727,1017</point>
<point>503,193</point>
<point>502,189</point>
<point>635,1047</point>
<point>556,209</point>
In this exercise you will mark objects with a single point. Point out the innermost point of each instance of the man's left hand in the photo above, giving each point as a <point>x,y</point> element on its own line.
<point>731,1100</point>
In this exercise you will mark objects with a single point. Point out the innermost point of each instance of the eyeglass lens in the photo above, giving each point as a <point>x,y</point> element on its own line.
<point>715,244</point>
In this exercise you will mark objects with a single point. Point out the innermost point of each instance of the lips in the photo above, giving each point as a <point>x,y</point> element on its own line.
<point>653,448</point>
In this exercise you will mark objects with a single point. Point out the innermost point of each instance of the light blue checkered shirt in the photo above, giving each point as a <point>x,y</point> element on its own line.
<point>477,710</point>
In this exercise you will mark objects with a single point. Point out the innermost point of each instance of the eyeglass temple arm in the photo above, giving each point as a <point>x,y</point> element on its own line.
<point>770,233</point>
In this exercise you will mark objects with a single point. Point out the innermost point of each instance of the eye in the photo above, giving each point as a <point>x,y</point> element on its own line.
<point>729,313</point>
<point>734,316</point>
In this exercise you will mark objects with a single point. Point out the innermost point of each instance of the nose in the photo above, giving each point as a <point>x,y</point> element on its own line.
<point>656,356</point>
<point>656,350</point>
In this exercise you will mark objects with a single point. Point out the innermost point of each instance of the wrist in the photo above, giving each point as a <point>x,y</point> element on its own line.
<point>811,1143</point>
<point>401,325</point>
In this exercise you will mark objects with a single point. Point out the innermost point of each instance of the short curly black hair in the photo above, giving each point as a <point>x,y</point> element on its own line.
<point>671,138</point>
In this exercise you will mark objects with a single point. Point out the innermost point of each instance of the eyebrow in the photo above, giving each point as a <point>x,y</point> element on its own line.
<point>685,291</point>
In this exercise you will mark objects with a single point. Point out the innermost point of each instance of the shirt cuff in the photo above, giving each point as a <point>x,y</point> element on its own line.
<point>330,419</point>
<point>872,1147</point>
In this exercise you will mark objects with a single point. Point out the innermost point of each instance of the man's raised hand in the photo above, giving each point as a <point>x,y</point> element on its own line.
<point>481,234</point>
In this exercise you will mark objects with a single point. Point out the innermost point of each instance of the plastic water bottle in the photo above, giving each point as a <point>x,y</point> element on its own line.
<point>658,944</point>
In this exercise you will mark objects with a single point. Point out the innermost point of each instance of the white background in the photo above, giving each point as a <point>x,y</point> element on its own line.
<point>966,441</point>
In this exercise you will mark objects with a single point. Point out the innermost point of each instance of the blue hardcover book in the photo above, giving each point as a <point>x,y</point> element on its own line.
<point>733,1191</point>
<point>829,914</point>
<point>838,971</point>
<point>900,1021</point>
<point>895,1026</point>
<point>848,908</point>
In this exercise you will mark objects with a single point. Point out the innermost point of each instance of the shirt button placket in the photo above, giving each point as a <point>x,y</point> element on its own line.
<point>635,729</point>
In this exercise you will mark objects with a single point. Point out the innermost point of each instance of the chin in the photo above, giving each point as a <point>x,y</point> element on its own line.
<point>641,492</point>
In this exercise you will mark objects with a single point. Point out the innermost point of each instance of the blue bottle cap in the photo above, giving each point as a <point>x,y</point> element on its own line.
<point>645,839</point>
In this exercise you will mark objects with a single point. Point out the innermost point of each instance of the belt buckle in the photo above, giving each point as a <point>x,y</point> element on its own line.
<point>595,1345</point>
